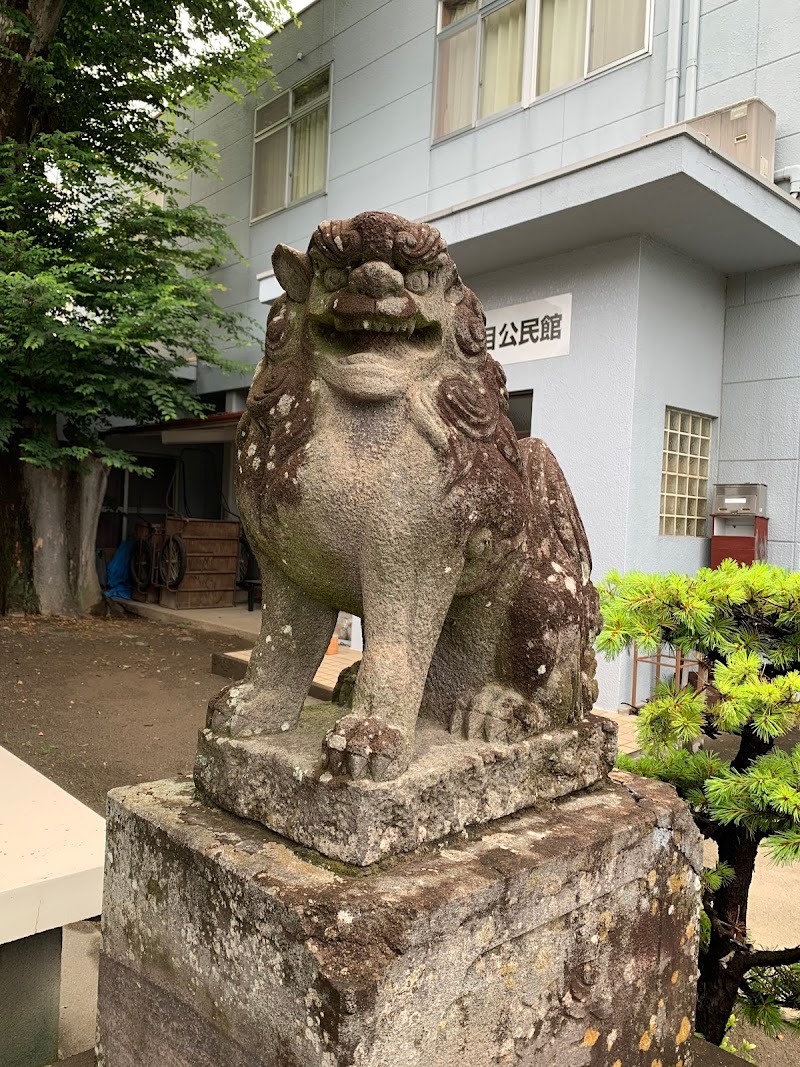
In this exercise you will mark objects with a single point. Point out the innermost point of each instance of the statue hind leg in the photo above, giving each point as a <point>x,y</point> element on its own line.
<point>516,657</point>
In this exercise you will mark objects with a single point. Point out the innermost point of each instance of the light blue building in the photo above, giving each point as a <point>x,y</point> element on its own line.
<point>557,146</point>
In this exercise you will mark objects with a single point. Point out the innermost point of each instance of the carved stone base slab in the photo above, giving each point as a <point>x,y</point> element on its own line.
<point>566,937</point>
<point>451,785</point>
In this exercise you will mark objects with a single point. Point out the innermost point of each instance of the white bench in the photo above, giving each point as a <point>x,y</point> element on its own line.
<point>51,873</point>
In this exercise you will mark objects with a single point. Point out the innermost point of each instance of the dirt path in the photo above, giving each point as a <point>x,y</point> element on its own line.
<point>105,702</point>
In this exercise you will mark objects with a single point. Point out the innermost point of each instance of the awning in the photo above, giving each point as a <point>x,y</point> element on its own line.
<point>217,428</point>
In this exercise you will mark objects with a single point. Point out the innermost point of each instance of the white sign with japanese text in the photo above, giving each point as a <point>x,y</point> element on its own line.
<point>536,330</point>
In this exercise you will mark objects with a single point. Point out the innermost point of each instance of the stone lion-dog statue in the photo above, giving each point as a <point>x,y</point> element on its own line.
<point>378,473</point>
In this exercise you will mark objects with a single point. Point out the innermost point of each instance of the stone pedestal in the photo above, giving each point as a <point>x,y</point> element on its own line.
<point>452,784</point>
<point>30,995</point>
<point>561,937</point>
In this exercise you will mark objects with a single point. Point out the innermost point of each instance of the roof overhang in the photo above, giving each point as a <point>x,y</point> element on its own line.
<point>672,186</point>
<point>216,428</point>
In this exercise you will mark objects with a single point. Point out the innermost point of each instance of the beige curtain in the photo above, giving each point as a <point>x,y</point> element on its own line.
<point>269,173</point>
<point>617,30</point>
<point>455,91</point>
<point>502,52</point>
<point>309,153</point>
<point>562,43</point>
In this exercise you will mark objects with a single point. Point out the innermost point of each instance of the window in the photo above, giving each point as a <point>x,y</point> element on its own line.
<point>290,155</point>
<point>486,47</point>
<point>520,409</point>
<point>684,473</point>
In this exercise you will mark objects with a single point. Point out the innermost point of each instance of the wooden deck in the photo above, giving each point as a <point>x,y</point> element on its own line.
<point>234,664</point>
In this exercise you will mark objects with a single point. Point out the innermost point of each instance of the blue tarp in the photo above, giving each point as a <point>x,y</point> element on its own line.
<point>118,573</point>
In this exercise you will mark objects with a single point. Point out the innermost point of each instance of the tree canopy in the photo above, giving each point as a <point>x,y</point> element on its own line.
<point>105,291</point>
<point>103,283</point>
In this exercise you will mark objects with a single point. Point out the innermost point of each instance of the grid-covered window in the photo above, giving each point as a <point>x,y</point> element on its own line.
<point>684,473</point>
<point>290,154</point>
<point>495,54</point>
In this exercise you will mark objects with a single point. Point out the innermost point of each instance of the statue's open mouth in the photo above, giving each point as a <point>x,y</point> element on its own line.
<point>377,334</point>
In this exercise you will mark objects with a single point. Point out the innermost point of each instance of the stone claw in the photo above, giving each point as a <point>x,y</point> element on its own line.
<point>366,747</point>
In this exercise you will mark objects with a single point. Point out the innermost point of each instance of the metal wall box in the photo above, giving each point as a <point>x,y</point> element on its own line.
<point>745,131</point>
<point>740,499</point>
<point>739,523</point>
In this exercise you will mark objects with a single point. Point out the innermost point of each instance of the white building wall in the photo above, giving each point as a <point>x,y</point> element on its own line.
<point>760,433</point>
<point>649,326</point>
<point>583,402</point>
<point>647,332</point>
<point>381,157</point>
<point>680,335</point>
<point>752,48</point>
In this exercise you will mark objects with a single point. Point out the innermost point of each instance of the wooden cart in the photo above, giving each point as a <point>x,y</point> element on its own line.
<point>207,550</point>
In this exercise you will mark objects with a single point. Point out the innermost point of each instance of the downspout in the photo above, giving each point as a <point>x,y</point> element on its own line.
<point>672,86</point>
<point>791,175</point>
<point>692,53</point>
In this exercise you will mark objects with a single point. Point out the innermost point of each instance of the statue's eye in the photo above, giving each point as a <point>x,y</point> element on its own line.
<point>417,281</point>
<point>335,278</point>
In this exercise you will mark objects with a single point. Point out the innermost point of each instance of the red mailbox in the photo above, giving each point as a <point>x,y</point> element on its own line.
<point>740,523</point>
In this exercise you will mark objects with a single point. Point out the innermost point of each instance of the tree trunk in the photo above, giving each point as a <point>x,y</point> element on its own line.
<point>16,547</point>
<point>64,508</point>
<point>723,965</point>
<point>16,100</point>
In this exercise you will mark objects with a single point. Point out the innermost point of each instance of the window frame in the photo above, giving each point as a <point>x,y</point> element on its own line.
<point>528,96</point>
<point>663,517</point>
<point>292,117</point>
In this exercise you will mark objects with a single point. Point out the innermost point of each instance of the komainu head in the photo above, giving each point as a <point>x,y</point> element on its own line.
<point>377,311</point>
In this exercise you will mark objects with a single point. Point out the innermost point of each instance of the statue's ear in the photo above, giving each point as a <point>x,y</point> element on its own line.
<point>293,271</point>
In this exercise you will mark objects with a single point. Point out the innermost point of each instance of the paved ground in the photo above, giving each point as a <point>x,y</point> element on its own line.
<point>101,703</point>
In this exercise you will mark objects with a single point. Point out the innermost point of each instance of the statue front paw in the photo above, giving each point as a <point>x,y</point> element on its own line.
<point>366,747</point>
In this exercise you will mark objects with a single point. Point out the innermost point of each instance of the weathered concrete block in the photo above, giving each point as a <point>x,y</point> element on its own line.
<point>278,780</point>
<point>563,937</point>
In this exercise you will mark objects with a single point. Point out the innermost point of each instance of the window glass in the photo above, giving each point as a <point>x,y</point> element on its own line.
<point>310,91</point>
<point>269,172</point>
<point>684,473</point>
<point>455,93</point>
<point>520,408</point>
<point>291,146</point>
<point>455,10</point>
<point>309,153</point>
<point>485,46</point>
<point>275,111</point>
<point>617,30</point>
<point>562,43</point>
<point>502,56</point>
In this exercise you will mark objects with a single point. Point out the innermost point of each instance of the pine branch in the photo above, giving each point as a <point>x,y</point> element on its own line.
<point>779,957</point>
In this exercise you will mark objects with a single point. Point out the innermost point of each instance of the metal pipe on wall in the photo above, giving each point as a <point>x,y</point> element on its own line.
<point>692,54</point>
<point>672,86</point>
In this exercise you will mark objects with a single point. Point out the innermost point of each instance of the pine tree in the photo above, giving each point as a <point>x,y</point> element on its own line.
<point>744,625</point>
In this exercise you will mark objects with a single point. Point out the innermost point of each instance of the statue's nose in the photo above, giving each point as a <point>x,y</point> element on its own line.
<point>376,279</point>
